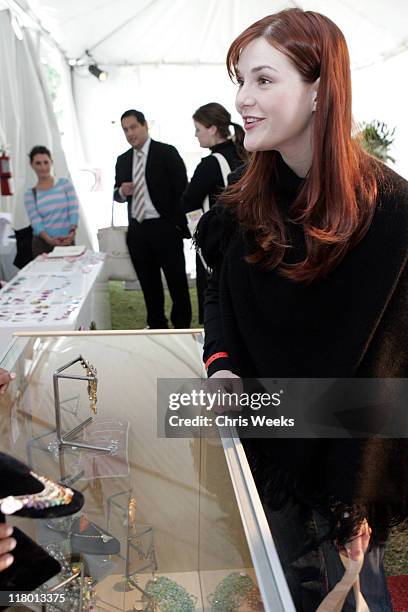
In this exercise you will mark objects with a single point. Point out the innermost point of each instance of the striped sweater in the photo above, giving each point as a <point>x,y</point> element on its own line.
<point>56,209</point>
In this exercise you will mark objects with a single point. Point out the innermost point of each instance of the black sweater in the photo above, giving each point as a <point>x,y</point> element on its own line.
<point>354,323</point>
<point>207,179</point>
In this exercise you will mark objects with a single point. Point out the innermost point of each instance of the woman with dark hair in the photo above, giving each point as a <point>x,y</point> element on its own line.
<point>308,248</point>
<point>212,128</point>
<point>52,205</point>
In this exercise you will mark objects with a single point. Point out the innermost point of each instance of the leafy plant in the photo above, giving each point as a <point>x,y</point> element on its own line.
<point>53,79</point>
<point>377,138</point>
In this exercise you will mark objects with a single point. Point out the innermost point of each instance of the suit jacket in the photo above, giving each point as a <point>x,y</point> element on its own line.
<point>166,180</point>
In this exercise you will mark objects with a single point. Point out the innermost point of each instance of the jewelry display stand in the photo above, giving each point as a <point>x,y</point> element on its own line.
<point>65,439</point>
<point>139,540</point>
<point>92,539</point>
<point>74,587</point>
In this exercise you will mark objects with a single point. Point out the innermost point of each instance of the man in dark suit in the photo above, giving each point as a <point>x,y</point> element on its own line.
<point>151,177</point>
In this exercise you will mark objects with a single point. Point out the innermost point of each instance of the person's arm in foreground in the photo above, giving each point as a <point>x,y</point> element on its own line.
<point>5,378</point>
<point>7,544</point>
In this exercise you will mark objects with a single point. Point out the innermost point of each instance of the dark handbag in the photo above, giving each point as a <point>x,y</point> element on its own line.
<point>24,238</point>
<point>24,241</point>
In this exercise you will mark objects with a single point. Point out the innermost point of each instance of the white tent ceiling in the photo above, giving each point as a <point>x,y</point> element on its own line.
<point>200,31</point>
<point>167,57</point>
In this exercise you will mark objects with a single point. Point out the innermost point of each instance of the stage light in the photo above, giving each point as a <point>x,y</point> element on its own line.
<point>101,75</point>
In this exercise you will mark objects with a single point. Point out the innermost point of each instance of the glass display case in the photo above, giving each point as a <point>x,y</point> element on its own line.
<point>168,524</point>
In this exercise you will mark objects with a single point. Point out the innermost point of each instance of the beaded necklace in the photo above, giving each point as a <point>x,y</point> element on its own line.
<point>234,591</point>
<point>168,595</point>
<point>52,494</point>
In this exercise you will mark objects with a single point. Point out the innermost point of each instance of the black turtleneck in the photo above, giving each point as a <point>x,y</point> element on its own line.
<point>352,323</point>
<point>272,326</point>
<point>207,178</point>
<point>258,309</point>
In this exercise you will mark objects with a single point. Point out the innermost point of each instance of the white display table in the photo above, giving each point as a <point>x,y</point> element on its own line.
<point>7,248</point>
<point>7,255</point>
<point>61,294</point>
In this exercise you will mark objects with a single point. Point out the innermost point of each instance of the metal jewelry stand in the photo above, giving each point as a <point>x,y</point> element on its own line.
<point>134,532</point>
<point>65,439</point>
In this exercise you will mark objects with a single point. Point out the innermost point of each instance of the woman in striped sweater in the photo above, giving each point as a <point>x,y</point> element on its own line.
<point>52,205</point>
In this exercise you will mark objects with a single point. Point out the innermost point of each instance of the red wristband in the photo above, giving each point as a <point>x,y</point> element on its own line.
<point>214,357</point>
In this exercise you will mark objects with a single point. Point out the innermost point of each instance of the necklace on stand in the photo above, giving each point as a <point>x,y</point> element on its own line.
<point>92,384</point>
<point>87,537</point>
<point>132,514</point>
<point>85,524</point>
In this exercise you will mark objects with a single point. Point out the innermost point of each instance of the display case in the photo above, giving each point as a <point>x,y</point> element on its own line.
<point>168,524</point>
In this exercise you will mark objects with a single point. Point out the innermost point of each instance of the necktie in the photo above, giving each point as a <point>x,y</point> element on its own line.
<point>138,204</point>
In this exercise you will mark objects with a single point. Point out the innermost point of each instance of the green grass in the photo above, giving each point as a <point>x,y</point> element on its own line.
<point>396,553</point>
<point>129,311</point>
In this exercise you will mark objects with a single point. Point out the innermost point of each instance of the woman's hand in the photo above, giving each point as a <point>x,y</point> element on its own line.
<point>52,241</point>
<point>357,547</point>
<point>7,544</point>
<point>67,240</point>
<point>48,239</point>
<point>225,382</point>
<point>71,235</point>
<point>5,378</point>
<point>224,374</point>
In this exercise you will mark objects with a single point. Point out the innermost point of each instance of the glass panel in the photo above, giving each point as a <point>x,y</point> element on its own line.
<point>161,518</point>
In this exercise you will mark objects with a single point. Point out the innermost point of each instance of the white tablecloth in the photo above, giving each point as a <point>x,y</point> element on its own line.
<point>55,294</point>
<point>7,255</point>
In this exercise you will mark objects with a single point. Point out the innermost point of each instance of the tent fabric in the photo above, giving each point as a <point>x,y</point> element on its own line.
<point>27,118</point>
<point>200,31</point>
<point>168,58</point>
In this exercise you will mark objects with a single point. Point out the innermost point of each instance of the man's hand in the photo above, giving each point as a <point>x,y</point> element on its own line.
<point>127,189</point>
<point>7,544</point>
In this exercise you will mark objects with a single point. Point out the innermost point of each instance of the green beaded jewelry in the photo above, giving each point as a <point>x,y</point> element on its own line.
<point>230,593</point>
<point>168,596</point>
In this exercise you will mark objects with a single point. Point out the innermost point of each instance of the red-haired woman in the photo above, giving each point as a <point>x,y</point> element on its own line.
<point>308,249</point>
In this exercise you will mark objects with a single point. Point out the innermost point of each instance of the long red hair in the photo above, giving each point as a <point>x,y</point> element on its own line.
<point>337,202</point>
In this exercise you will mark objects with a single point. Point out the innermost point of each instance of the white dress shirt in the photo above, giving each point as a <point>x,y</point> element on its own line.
<point>150,210</point>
